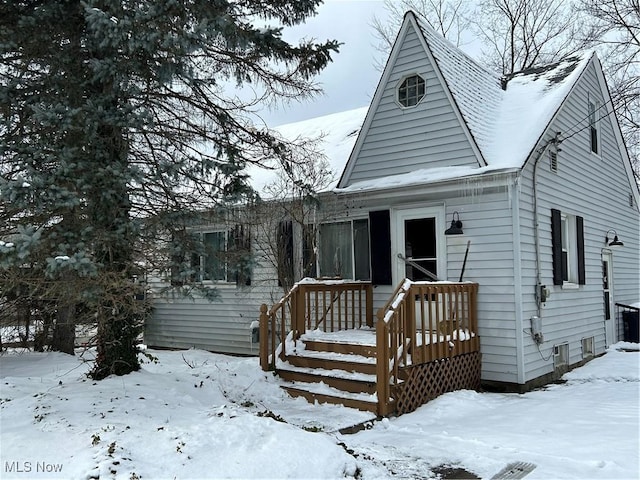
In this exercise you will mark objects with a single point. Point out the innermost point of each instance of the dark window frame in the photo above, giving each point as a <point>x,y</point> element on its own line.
<point>411,91</point>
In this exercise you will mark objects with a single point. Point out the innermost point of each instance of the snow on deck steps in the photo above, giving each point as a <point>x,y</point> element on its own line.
<point>359,336</point>
<point>323,393</point>
<point>338,367</point>
<point>332,361</point>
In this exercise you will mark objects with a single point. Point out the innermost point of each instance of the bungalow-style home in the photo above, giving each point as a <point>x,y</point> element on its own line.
<point>520,186</point>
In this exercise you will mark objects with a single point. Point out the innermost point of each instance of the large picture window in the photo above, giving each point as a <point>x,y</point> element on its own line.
<point>344,250</point>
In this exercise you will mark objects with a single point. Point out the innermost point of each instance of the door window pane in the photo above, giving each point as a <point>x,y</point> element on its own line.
<point>420,247</point>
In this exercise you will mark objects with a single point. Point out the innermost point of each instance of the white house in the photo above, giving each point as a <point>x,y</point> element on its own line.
<point>520,184</point>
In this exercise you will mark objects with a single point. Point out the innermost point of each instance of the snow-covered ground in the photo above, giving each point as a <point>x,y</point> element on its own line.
<point>197,415</point>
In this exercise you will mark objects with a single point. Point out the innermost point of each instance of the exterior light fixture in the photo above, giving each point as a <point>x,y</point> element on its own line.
<point>456,225</point>
<point>615,242</point>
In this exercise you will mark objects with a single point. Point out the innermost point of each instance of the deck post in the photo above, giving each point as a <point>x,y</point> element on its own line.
<point>264,337</point>
<point>369,304</point>
<point>298,309</point>
<point>473,315</point>
<point>382,367</point>
<point>410,312</point>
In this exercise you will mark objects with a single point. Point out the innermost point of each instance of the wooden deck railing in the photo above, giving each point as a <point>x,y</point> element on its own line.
<point>311,305</point>
<point>423,322</point>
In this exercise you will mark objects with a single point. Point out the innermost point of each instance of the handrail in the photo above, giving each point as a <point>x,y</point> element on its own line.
<point>331,305</point>
<point>423,322</point>
<point>268,327</point>
<point>388,330</point>
<point>418,267</point>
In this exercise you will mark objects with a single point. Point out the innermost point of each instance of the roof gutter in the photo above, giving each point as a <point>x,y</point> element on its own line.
<point>491,178</point>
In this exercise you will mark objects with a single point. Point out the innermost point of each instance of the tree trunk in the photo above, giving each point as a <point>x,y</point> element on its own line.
<point>64,330</point>
<point>119,324</point>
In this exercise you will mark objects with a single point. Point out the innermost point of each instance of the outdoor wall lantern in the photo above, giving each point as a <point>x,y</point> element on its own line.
<point>456,226</point>
<point>615,242</point>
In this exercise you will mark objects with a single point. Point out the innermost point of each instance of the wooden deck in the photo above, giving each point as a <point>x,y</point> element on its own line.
<point>322,338</point>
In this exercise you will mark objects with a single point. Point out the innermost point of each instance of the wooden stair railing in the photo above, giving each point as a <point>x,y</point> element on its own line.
<point>391,336</point>
<point>422,322</point>
<point>310,305</point>
<point>269,319</point>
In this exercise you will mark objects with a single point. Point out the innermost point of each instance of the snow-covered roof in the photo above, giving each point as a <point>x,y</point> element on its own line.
<point>505,123</point>
<point>333,136</point>
<point>506,117</point>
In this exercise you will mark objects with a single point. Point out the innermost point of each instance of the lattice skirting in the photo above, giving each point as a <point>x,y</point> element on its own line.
<point>428,380</point>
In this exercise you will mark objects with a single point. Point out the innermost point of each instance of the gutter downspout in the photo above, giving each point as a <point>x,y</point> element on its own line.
<point>517,254</point>
<point>514,195</point>
<point>538,293</point>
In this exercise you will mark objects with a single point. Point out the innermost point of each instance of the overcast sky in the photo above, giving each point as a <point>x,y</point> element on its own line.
<point>351,79</point>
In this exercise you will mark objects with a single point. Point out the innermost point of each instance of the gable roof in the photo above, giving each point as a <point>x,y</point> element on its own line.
<point>504,118</point>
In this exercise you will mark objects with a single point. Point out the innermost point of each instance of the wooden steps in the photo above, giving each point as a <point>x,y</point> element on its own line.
<point>333,371</point>
<point>307,392</point>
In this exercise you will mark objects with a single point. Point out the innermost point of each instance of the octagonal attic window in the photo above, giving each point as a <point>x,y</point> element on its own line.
<point>411,91</point>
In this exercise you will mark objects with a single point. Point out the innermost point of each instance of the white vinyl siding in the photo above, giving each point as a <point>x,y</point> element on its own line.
<point>488,225</point>
<point>221,325</point>
<point>401,140</point>
<point>598,191</point>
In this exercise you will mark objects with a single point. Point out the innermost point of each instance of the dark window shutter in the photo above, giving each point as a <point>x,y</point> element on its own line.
<point>380,237</point>
<point>556,245</point>
<point>285,254</point>
<point>580,245</point>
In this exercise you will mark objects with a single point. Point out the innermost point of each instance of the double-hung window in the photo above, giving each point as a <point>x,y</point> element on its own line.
<point>212,262</point>
<point>567,232</point>
<point>569,257</point>
<point>222,256</point>
<point>344,250</point>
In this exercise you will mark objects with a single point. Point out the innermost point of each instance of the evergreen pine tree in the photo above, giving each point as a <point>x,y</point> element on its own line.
<point>117,117</point>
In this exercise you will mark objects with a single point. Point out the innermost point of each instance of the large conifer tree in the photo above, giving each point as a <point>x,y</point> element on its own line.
<point>117,112</point>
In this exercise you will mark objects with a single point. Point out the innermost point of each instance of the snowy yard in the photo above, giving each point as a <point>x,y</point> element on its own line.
<point>197,415</point>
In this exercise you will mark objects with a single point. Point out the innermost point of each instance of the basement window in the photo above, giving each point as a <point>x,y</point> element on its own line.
<point>561,356</point>
<point>587,347</point>
<point>411,91</point>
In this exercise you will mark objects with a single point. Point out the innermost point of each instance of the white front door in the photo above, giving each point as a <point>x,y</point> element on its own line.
<point>607,288</point>
<point>419,245</point>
